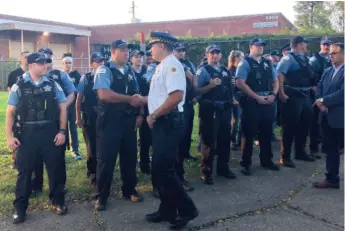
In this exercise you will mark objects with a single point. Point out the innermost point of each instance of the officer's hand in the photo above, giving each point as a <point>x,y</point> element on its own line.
<point>323,108</point>
<point>215,82</point>
<point>235,102</point>
<point>194,101</point>
<point>59,139</point>
<point>13,143</point>
<point>262,100</point>
<point>283,97</point>
<point>79,123</point>
<point>270,99</point>
<point>139,122</point>
<point>150,121</point>
<point>136,100</point>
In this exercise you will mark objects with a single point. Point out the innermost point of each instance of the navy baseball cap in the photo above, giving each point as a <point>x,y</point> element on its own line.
<point>286,47</point>
<point>96,57</point>
<point>180,47</point>
<point>275,53</point>
<point>148,53</point>
<point>46,51</point>
<point>119,44</point>
<point>36,58</point>
<point>162,37</point>
<point>257,42</point>
<point>326,41</point>
<point>212,48</point>
<point>298,39</point>
<point>137,52</point>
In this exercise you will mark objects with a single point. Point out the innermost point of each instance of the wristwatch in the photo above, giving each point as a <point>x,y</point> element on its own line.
<point>62,131</point>
<point>153,116</point>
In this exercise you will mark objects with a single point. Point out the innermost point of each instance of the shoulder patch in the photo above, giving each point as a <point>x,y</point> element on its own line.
<point>287,57</point>
<point>58,86</point>
<point>240,64</point>
<point>14,87</point>
<point>101,71</point>
<point>173,69</point>
<point>198,72</point>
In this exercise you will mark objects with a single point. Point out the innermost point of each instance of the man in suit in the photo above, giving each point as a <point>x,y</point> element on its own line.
<point>330,101</point>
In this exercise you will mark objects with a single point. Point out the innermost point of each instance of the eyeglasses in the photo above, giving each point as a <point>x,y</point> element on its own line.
<point>68,63</point>
<point>334,53</point>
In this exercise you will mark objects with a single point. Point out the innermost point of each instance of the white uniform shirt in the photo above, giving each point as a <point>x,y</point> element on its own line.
<point>169,77</point>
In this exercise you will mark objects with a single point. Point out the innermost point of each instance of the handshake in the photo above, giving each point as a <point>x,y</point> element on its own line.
<point>138,100</point>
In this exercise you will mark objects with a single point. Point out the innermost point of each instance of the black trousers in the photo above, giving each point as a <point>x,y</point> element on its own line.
<point>186,139</point>
<point>145,144</point>
<point>215,132</point>
<point>89,132</point>
<point>334,140</point>
<point>315,130</point>
<point>256,121</point>
<point>116,134</point>
<point>165,140</point>
<point>296,117</point>
<point>38,142</point>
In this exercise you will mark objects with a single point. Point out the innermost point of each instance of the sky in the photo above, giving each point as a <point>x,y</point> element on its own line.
<point>118,11</point>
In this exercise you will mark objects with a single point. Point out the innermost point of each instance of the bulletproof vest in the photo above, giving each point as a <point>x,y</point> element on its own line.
<point>324,64</point>
<point>75,76</point>
<point>143,85</point>
<point>90,96</point>
<point>260,77</point>
<point>124,84</point>
<point>36,103</point>
<point>189,86</point>
<point>55,75</point>
<point>303,76</point>
<point>222,92</point>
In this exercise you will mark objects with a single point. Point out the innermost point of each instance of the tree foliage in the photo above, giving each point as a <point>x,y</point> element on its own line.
<point>336,15</point>
<point>311,14</point>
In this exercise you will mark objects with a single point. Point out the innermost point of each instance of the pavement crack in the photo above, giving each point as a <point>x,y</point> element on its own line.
<point>299,210</point>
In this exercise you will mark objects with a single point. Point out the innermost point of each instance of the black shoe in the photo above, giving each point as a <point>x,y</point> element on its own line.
<point>155,193</point>
<point>193,158</point>
<point>60,209</point>
<point>134,197</point>
<point>35,193</point>
<point>207,180</point>
<point>181,222</point>
<point>246,171</point>
<point>287,163</point>
<point>100,206</point>
<point>227,174</point>
<point>157,217</point>
<point>305,157</point>
<point>19,218</point>
<point>270,166</point>
<point>187,187</point>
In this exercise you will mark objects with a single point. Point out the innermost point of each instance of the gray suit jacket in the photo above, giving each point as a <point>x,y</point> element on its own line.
<point>332,92</point>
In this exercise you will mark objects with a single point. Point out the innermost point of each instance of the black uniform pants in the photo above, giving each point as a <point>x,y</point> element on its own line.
<point>256,120</point>
<point>315,130</point>
<point>215,132</point>
<point>38,142</point>
<point>145,144</point>
<point>334,140</point>
<point>89,132</point>
<point>186,139</point>
<point>166,135</point>
<point>296,116</point>
<point>116,134</point>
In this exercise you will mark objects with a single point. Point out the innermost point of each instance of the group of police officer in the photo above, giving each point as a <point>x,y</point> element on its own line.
<point>122,95</point>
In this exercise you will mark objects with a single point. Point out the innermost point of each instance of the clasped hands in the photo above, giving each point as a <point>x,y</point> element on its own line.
<point>137,100</point>
<point>320,105</point>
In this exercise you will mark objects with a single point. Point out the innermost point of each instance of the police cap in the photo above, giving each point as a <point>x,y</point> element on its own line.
<point>298,39</point>
<point>137,52</point>
<point>326,42</point>
<point>275,53</point>
<point>257,42</point>
<point>36,58</point>
<point>162,37</point>
<point>180,47</point>
<point>286,47</point>
<point>119,44</point>
<point>148,53</point>
<point>96,57</point>
<point>46,50</point>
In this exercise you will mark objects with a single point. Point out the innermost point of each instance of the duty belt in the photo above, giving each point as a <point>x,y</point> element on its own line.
<point>218,104</point>
<point>299,91</point>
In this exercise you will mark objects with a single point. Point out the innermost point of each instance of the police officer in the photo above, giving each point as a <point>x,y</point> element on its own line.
<point>319,62</point>
<point>295,82</point>
<point>12,79</point>
<point>36,104</point>
<point>257,79</point>
<point>275,58</point>
<point>67,63</point>
<point>136,58</point>
<point>149,59</point>
<point>216,89</point>
<point>286,49</point>
<point>68,88</point>
<point>86,114</point>
<point>165,102</point>
<point>119,104</point>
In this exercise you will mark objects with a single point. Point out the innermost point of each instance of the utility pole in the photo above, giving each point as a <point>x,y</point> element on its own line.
<point>132,10</point>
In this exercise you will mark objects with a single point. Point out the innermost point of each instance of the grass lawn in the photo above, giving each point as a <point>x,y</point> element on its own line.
<point>77,184</point>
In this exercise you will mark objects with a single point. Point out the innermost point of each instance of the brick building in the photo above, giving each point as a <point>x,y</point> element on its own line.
<point>18,33</point>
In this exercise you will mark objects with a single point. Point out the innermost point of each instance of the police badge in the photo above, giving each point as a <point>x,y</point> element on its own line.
<point>225,73</point>
<point>47,88</point>
<point>265,66</point>
<point>55,76</point>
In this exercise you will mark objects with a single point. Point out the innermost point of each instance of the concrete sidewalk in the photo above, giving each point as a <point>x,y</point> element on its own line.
<point>266,200</point>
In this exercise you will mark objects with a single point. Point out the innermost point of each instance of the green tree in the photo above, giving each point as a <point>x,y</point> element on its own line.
<point>336,15</point>
<point>312,14</point>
